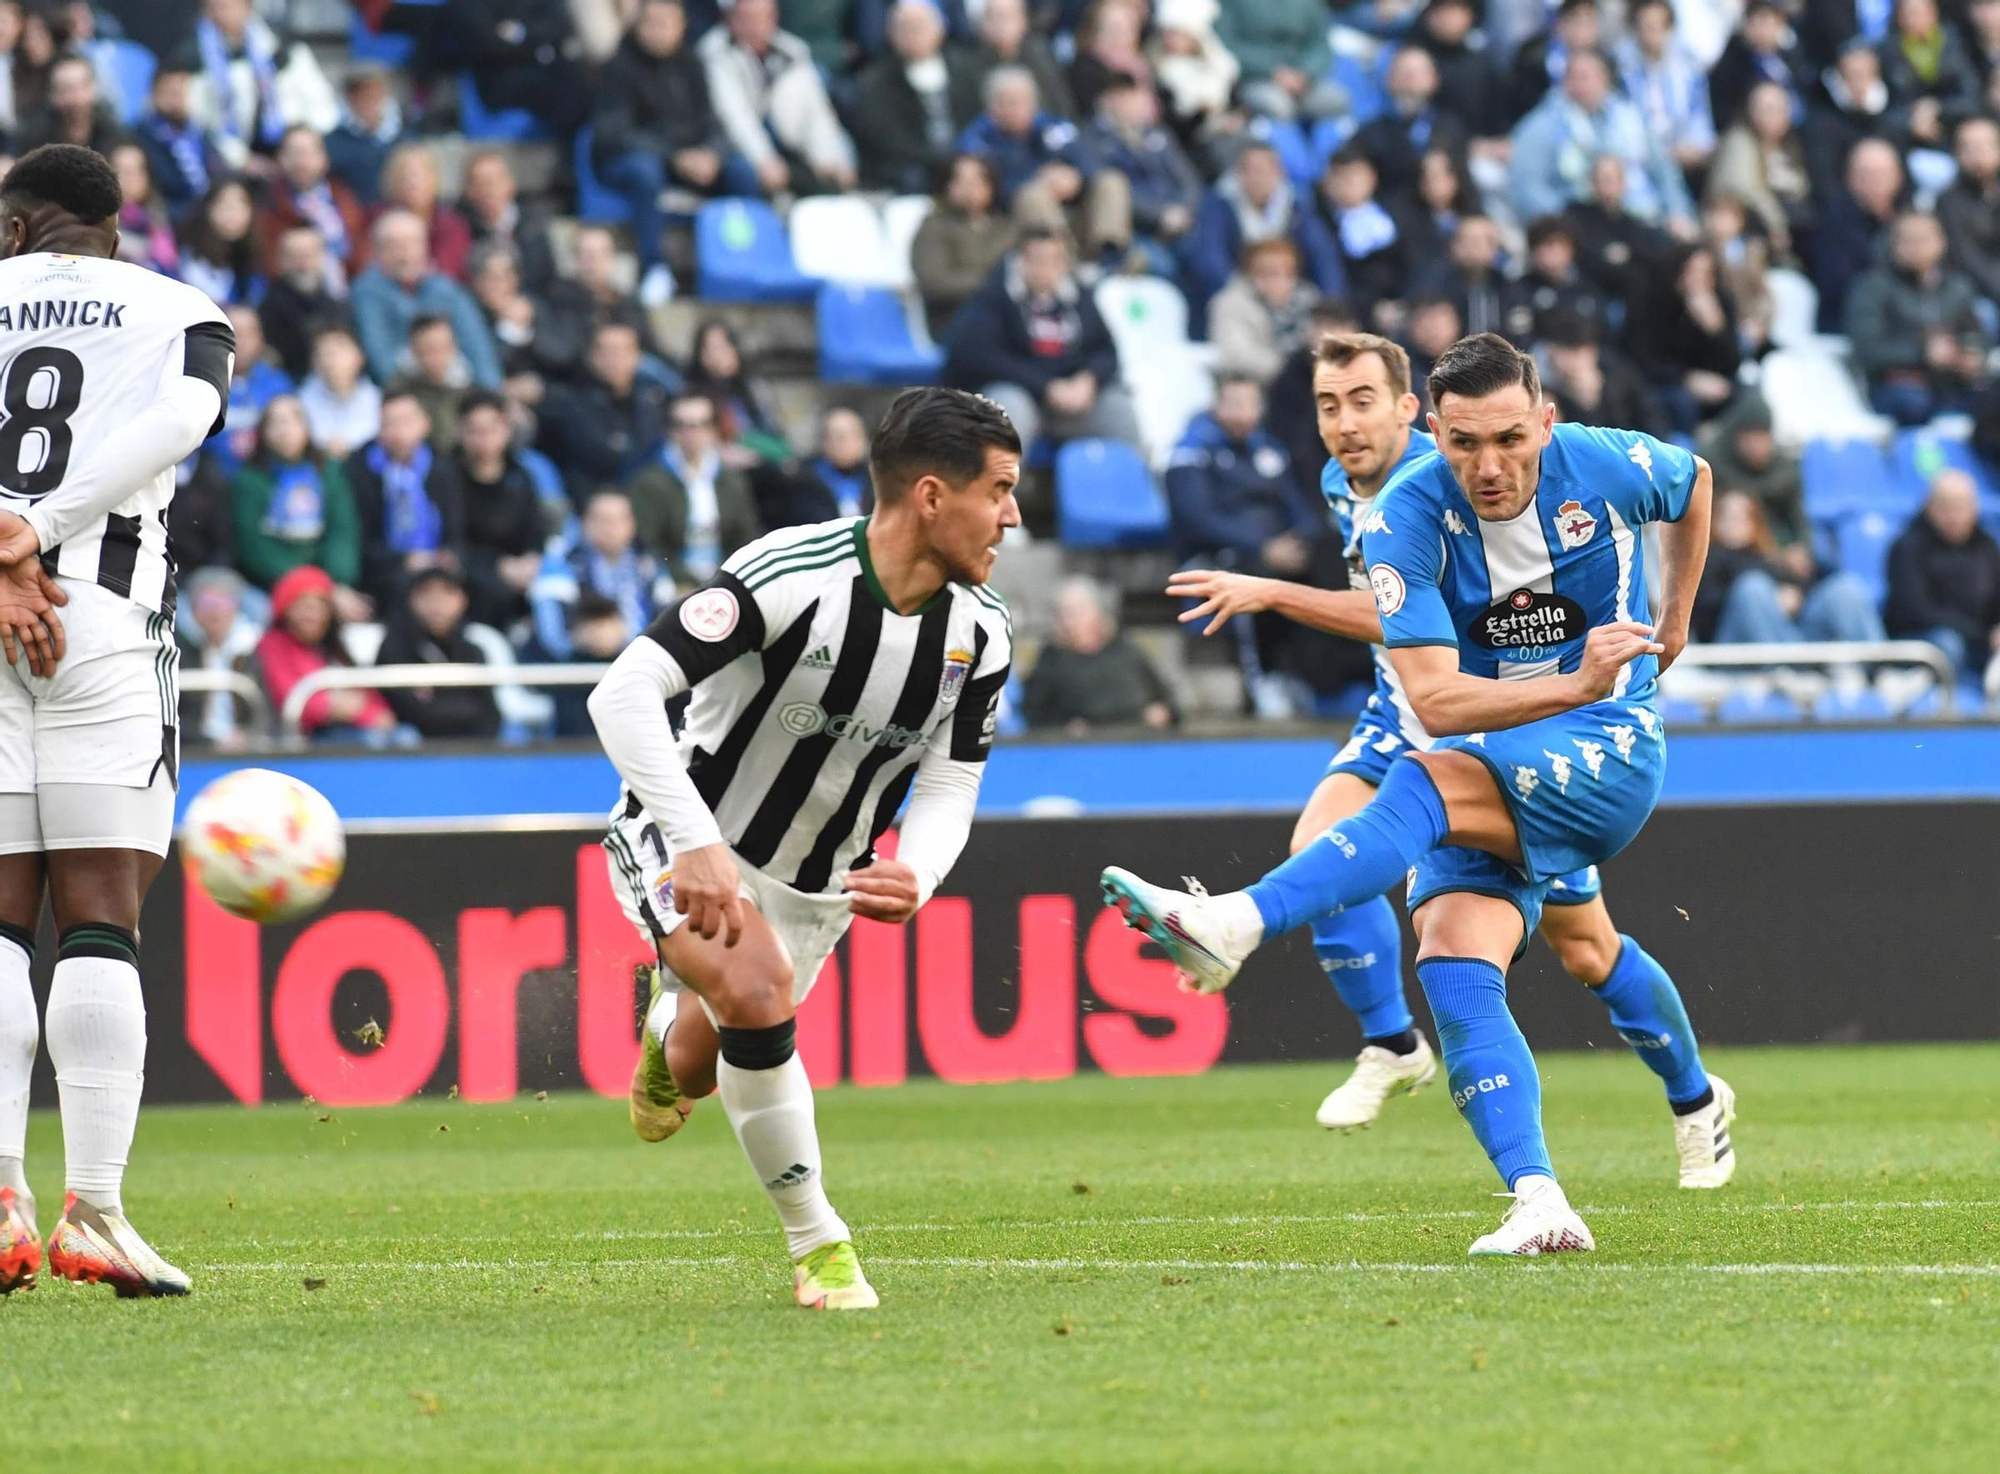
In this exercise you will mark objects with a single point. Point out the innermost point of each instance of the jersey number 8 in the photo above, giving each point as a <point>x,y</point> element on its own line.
<point>42,390</point>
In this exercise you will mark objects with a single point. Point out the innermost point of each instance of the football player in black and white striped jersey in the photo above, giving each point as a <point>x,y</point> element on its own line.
<point>110,375</point>
<point>837,669</point>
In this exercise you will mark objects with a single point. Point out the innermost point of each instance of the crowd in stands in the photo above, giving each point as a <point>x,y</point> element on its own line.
<point>459,422</point>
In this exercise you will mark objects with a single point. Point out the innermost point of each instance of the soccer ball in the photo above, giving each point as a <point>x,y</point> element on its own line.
<point>264,846</point>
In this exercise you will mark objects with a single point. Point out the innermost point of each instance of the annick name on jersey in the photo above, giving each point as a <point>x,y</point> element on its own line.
<point>28,317</point>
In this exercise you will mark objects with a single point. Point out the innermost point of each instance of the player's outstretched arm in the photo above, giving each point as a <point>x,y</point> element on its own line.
<point>1683,554</point>
<point>1451,703</point>
<point>1224,595</point>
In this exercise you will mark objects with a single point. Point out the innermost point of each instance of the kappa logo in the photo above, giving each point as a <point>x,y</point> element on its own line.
<point>1526,780</point>
<point>1593,755</point>
<point>1455,524</point>
<point>1376,522</point>
<point>1476,739</point>
<point>1622,738</point>
<point>1574,526</point>
<point>1560,767</point>
<point>1641,457</point>
<point>1647,720</point>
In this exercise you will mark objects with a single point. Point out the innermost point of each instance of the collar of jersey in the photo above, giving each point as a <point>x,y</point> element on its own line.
<point>875,584</point>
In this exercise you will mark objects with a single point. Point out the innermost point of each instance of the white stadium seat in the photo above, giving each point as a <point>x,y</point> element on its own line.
<point>1146,314</point>
<point>839,238</point>
<point>1813,396</point>
<point>362,641</point>
<point>1795,321</point>
<point>902,217</point>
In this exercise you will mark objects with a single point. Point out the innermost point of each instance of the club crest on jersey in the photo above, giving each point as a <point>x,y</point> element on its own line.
<point>710,615</point>
<point>957,666</point>
<point>1574,525</point>
<point>663,889</point>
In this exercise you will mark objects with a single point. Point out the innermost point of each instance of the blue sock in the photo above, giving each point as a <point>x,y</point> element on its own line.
<point>1646,1009</point>
<point>1361,951</point>
<point>1493,1078</point>
<point>1360,857</point>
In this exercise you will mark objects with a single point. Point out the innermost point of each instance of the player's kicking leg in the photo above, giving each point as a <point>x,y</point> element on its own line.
<point>20,894</point>
<point>1647,1012</point>
<point>678,1050</point>
<point>1360,949</point>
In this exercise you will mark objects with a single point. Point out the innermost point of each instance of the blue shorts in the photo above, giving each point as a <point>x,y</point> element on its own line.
<point>1376,741</point>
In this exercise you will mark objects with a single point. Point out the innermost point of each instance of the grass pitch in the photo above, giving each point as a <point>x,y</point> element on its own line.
<point>1145,1274</point>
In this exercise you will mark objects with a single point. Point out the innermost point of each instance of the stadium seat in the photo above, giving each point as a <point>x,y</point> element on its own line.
<point>1795,304</point>
<point>865,338</point>
<point>499,125</point>
<point>595,204</point>
<point>1863,539</point>
<point>1144,313</point>
<point>1854,704</point>
<point>362,641</point>
<point>1106,498</point>
<point>840,238</point>
<point>1678,711</point>
<point>1843,476</point>
<point>522,710</point>
<point>1169,388</point>
<point>132,67</point>
<point>902,218</point>
<point>1295,151</point>
<point>1751,707</point>
<point>1917,456</point>
<point>742,255</point>
<point>380,48</point>
<point>1813,394</point>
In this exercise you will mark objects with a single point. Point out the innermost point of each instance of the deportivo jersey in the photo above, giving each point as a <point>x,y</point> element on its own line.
<point>814,701</point>
<point>86,344</point>
<point>1516,598</point>
<point>1350,510</point>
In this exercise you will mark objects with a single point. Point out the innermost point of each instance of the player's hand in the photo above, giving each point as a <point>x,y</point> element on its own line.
<point>1672,637</point>
<point>17,539</point>
<point>708,892</point>
<point>29,624</point>
<point>1608,649</point>
<point>885,890</point>
<point>1223,595</point>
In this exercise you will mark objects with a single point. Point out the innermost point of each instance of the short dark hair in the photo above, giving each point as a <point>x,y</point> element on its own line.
<point>76,180</point>
<point>1483,364</point>
<point>481,399</point>
<point>591,605</point>
<point>1568,328</point>
<point>1545,228</point>
<point>1037,234</point>
<point>1352,154</point>
<point>936,432</point>
<point>425,321</point>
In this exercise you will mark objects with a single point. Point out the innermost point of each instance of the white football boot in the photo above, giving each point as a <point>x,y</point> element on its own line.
<point>92,1247</point>
<point>1702,1138</point>
<point>1378,1074</point>
<point>1540,1221</point>
<point>1195,929</point>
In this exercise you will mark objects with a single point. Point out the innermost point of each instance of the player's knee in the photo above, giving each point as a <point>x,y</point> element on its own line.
<point>754,990</point>
<point>1589,959</point>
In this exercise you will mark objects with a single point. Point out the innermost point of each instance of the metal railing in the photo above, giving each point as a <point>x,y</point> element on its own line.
<point>195,681</point>
<point>377,677</point>
<point>1823,655</point>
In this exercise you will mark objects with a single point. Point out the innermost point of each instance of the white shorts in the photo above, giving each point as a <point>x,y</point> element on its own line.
<point>642,877</point>
<point>108,719</point>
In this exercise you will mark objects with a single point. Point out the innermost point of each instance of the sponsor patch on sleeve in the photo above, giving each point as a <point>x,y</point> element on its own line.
<point>710,615</point>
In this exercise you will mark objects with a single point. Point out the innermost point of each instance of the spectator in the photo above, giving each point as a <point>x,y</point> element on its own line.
<point>343,407</point>
<point>768,95</point>
<point>1743,455</point>
<point>1743,257</point>
<point>961,240</point>
<point>1914,326</point>
<point>914,101</point>
<point>1129,139</point>
<point>254,383</point>
<point>1260,319</point>
<point>595,289</point>
<point>1291,413</point>
<point>492,209</point>
<point>145,224</point>
<point>840,470</point>
<point>1684,340</point>
<point>1231,490</point>
<point>1006,40</point>
<point>601,429</point>
<point>34,51</point>
<point>250,85</point>
<point>1555,144</point>
<point>1596,384</point>
<point>408,500</point>
<point>1468,80</point>
<point>410,182</point>
<point>428,628</point>
<point>74,112</point>
<point>298,300</point>
<point>654,124</point>
<point>304,639</point>
<point>184,157</point>
<point>204,525</point>
<point>1047,177</point>
<point>1417,122</point>
<point>1034,341</point>
<point>1929,73</point>
<point>1944,577</point>
<point>1669,86</point>
<point>1472,277</point>
<point>1282,48</point>
<point>403,285</point>
<point>1982,34</point>
<point>214,634</point>
<point>370,129</point>
<point>746,417</point>
<point>1435,324</point>
<point>219,253</point>
<point>1107,47</point>
<point>1615,248</point>
<point>504,522</point>
<point>1090,674</point>
<point>523,54</point>
<point>1762,163</point>
<point>292,505</point>
<point>1854,106</point>
<point>1552,284</point>
<point>304,193</point>
<point>1542,61</point>
<point>535,345</point>
<point>435,375</point>
<point>1195,73</point>
<point>1764,49</point>
<point>603,559</point>
<point>1754,592</point>
<point>1374,258</point>
<point>1969,209</point>
<point>594,630</point>
<point>1428,211</point>
<point>1252,203</point>
<point>691,509</point>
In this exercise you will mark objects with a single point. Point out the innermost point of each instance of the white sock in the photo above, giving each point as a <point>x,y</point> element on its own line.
<point>97,1042</point>
<point>1533,1185</point>
<point>1238,911</point>
<point>19,1031</point>
<point>772,1113</point>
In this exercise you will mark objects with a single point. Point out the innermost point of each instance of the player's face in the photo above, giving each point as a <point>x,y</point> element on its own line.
<point>967,523</point>
<point>1363,422</point>
<point>1494,446</point>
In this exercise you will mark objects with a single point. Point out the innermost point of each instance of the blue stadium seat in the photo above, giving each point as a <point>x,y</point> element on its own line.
<point>1295,151</point>
<point>1751,709</point>
<point>1367,98</point>
<point>501,125</point>
<point>1863,539</point>
<point>594,203</point>
<point>1860,704</point>
<point>865,338</point>
<point>132,67</point>
<point>742,254</point>
<point>1678,711</point>
<point>1843,476</point>
<point>1106,498</point>
<point>1916,457</point>
<point>380,48</point>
